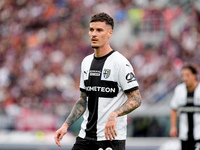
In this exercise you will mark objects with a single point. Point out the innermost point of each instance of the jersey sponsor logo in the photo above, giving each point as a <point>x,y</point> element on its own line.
<point>100,89</point>
<point>96,73</point>
<point>108,89</point>
<point>198,100</point>
<point>130,77</point>
<point>189,109</point>
<point>190,100</point>
<point>106,73</point>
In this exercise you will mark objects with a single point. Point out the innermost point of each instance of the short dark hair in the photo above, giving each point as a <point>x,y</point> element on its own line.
<point>103,17</point>
<point>191,67</point>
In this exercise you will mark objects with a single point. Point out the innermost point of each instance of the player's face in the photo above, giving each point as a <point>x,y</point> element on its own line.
<point>188,77</point>
<point>99,33</point>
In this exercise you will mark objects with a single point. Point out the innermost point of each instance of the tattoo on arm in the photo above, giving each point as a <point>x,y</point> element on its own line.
<point>77,110</point>
<point>133,102</point>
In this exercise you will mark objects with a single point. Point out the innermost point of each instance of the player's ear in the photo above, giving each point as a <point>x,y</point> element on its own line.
<point>110,32</point>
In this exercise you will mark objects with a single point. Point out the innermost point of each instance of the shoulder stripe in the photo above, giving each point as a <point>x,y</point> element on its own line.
<point>132,89</point>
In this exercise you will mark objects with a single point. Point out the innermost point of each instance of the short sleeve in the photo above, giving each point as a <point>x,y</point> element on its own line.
<point>82,85</point>
<point>174,100</point>
<point>127,79</point>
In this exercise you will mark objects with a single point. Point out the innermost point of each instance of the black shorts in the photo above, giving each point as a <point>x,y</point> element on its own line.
<point>83,144</point>
<point>190,145</point>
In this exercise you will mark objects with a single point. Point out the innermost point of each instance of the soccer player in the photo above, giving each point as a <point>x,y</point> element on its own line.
<point>186,100</point>
<point>109,91</point>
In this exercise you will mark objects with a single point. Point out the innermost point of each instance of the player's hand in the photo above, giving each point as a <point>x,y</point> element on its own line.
<point>60,133</point>
<point>173,132</point>
<point>110,128</point>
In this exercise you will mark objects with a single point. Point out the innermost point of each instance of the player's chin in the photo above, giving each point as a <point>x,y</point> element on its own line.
<point>95,46</point>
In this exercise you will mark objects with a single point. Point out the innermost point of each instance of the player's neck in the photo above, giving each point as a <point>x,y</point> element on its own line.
<point>102,51</point>
<point>192,87</point>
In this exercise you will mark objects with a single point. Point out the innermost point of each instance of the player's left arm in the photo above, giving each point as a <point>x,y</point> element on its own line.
<point>133,102</point>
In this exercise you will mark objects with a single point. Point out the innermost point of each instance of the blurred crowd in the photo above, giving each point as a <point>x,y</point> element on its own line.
<point>42,44</point>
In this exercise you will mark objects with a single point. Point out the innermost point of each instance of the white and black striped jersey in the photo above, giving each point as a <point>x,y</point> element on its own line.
<point>105,81</point>
<point>188,106</point>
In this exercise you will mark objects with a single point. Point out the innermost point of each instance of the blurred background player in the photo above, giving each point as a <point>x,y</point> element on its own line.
<point>186,101</point>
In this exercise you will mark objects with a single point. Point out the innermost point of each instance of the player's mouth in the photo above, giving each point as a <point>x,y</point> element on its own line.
<point>94,40</point>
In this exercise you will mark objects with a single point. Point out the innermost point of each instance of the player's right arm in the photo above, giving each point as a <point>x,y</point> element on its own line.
<point>76,113</point>
<point>173,120</point>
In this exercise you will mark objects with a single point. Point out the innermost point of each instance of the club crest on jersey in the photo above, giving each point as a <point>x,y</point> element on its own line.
<point>106,73</point>
<point>198,100</point>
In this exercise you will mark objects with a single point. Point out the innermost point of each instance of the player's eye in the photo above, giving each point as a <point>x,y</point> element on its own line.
<point>91,29</point>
